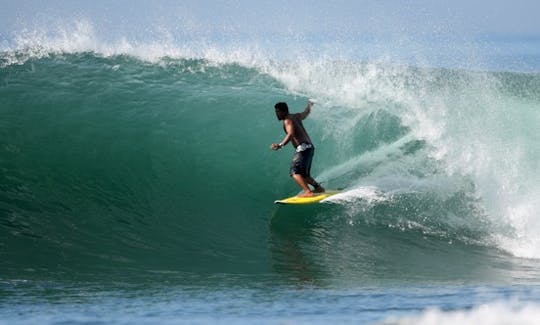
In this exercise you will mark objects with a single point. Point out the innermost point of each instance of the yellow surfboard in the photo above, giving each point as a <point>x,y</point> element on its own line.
<point>317,197</point>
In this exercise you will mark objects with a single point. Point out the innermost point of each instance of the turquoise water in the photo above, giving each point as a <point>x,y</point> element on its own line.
<point>139,189</point>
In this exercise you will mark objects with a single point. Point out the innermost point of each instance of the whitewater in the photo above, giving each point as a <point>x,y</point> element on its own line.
<point>137,173</point>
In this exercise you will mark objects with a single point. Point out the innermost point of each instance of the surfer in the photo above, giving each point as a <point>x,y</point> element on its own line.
<point>304,149</point>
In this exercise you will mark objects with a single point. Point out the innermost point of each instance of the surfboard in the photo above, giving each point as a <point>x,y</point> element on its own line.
<point>318,197</point>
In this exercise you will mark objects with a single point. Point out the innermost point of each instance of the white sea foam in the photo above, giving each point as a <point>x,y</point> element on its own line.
<point>368,194</point>
<point>497,313</point>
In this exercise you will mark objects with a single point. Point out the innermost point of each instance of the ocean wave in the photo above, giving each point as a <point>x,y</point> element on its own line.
<point>139,163</point>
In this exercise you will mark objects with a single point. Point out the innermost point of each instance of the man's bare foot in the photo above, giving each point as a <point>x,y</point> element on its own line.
<point>305,194</point>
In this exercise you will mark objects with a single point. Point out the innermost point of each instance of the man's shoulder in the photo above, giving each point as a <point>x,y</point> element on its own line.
<point>292,116</point>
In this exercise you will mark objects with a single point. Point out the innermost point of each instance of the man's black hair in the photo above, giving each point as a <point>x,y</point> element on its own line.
<point>282,107</point>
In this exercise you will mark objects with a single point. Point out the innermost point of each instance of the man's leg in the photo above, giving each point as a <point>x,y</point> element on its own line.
<point>308,179</point>
<point>317,187</point>
<point>302,182</point>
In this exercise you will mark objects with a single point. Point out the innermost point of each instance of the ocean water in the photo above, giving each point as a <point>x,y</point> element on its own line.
<point>137,186</point>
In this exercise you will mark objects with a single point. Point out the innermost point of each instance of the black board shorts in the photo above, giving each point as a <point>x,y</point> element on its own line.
<point>301,162</point>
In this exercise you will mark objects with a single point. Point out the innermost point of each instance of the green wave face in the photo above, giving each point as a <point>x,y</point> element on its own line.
<point>110,164</point>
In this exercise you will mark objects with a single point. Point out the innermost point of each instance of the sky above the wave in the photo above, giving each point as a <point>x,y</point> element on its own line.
<point>380,17</point>
<point>497,34</point>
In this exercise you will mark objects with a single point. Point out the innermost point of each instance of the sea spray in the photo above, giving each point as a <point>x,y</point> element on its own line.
<point>475,126</point>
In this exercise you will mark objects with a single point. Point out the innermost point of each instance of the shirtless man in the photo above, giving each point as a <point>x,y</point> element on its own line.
<point>304,149</point>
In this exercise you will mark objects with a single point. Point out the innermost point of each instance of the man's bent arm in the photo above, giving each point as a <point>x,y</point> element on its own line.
<point>307,110</point>
<point>290,131</point>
